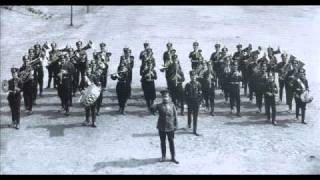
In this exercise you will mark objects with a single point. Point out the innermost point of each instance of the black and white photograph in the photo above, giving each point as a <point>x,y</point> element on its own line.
<point>159,89</point>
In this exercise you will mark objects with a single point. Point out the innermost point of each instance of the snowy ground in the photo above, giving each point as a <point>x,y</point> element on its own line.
<point>48,142</point>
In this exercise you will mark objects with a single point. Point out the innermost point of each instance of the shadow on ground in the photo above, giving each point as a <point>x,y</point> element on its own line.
<point>131,163</point>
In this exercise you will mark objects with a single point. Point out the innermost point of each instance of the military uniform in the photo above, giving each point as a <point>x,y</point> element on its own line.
<point>92,109</point>
<point>82,60</point>
<point>289,79</point>
<point>53,65</point>
<point>300,85</point>
<point>128,61</point>
<point>195,56</point>
<point>14,98</point>
<point>208,88</point>
<point>252,73</point>
<point>123,87</point>
<point>148,75</point>
<point>270,99</point>
<point>234,78</point>
<point>105,59</point>
<point>216,64</point>
<point>262,77</point>
<point>175,79</point>
<point>65,85</point>
<point>193,97</point>
<point>29,87</point>
<point>281,75</point>
<point>167,124</point>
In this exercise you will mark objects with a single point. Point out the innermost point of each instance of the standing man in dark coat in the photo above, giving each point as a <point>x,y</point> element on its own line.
<point>39,53</point>
<point>292,72</point>
<point>128,61</point>
<point>65,83</point>
<point>195,56</point>
<point>281,75</point>
<point>300,85</point>
<point>29,84</point>
<point>14,97</point>
<point>148,76</point>
<point>193,96</point>
<point>105,59</point>
<point>82,61</point>
<point>216,63</point>
<point>270,99</point>
<point>167,124</point>
<point>123,87</point>
<point>53,66</point>
<point>234,78</point>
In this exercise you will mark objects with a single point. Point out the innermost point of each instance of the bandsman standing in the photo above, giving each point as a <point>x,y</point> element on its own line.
<point>270,99</point>
<point>82,62</point>
<point>216,63</point>
<point>14,97</point>
<point>148,76</point>
<point>105,59</point>
<point>195,56</point>
<point>193,96</point>
<point>281,75</point>
<point>123,87</point>
<point>29,84</point>
<point>234,79</point>
<point>39,53</point>
<point>53,66</point>
<point>300,85</point>
<point>65,77</point>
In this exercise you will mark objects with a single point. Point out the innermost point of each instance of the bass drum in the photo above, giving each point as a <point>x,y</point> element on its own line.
<point>90,95</point>
<point>306,97</point>
<point>5,86</point>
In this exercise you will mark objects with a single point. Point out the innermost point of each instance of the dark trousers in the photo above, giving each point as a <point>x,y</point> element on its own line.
<point>300,105</point>
<point>259,97</point>
<point>270,104</point>
<point>76,79</point>
<point>91,110</point>
<point>289,95</point>
<point>99,101</point>
<point>211,98</point>
<point>123,93</point>
<point>40,79</point>
<point>81,72</point>
<point>28,94</point>
<point>250,84</point>
<point>235,96</point>
<point>104,78</point>
<point>170,136</point>
<point>281,87</point>
<point>50,76</point>
<point>193,110</point>
<point>14,103</point>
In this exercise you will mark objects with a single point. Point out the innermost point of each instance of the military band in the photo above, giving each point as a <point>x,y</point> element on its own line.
<point>71,70</point>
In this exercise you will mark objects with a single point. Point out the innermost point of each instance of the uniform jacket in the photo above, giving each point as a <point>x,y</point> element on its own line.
<point>167,120</point>
<point>193,92</point>
<point>13,96</point>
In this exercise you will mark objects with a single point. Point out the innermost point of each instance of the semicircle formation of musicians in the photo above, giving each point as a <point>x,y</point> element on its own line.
<point>71,71</point>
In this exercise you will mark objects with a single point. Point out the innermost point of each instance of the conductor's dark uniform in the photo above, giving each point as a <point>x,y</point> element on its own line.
<point>167,124</point>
